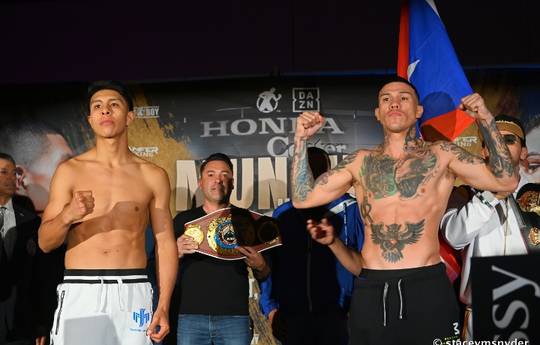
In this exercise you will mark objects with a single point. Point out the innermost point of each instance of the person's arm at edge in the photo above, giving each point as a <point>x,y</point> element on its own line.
<point>349,258</point>
<point>56,219</point>
<point>324,233</point>
<point>39,296</point>
<point>266,302</point>
<point>262,272</point>
<point>166,250</point>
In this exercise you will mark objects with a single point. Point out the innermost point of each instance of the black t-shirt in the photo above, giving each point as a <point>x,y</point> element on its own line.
<point>207,285</point>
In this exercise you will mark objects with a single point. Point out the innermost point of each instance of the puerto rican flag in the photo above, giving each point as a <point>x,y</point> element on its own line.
<point>427,59</point>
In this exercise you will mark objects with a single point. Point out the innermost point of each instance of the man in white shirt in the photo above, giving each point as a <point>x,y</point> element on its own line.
<point>489,224</point>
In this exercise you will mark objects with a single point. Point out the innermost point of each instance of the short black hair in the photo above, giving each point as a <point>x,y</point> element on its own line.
<point>109,85</point>
<point>218,156</point>
<point>398,79</point>
<point>7,157</point>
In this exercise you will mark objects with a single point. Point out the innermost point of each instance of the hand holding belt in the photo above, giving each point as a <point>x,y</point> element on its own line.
<point>220,232</point>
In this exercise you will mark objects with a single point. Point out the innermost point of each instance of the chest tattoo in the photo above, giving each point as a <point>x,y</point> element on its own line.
<point>385,176</point>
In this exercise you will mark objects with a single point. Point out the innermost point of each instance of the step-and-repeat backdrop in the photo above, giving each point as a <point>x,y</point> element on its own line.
<point>252,120</point>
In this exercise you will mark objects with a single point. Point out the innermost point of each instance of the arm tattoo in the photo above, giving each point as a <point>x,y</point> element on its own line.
<point>301,175</point>
<point>323,179</point>
<point>345,161</point>
<point>500,161</point>
<point>461,154</point>
<point>393,239</point>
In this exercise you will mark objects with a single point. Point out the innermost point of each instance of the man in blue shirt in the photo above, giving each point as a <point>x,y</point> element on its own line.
<point>307,296</point>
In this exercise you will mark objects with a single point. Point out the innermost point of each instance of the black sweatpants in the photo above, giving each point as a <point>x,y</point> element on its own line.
<point>405,306</point>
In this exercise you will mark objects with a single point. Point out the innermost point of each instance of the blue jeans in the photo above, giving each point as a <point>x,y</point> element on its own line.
<point>195,329</point>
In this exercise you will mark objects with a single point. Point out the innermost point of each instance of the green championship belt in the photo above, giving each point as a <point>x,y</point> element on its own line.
<point>220,232</point>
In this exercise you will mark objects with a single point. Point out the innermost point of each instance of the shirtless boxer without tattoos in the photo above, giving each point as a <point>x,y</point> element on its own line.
<point>402,295</point>
<point>101,202</point>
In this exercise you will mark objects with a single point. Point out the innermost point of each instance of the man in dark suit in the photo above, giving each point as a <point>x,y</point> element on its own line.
<point>21,297</point>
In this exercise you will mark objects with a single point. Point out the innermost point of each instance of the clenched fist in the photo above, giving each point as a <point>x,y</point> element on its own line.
<point>308,123</point>
<point>322,232</point>
<point>474,105</point>
<point>81,205</point>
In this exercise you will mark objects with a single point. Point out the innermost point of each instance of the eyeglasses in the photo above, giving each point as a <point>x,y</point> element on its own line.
<point>510,139</point>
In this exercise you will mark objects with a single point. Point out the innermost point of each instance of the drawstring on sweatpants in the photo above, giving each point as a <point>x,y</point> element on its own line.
<point>120,294</point>
<point>385,294</point>
<point>400,300</point>
<point>385,297</point>
<point>101,296</point>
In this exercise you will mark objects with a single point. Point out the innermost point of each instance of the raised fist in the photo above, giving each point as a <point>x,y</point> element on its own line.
<point>308,123</point>
<point>474,105</point>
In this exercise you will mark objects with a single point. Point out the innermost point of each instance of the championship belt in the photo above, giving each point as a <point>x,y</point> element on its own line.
<point>220,232</point>
<point>528,201</point>
<point>531,231</point>
<point>529,198</point>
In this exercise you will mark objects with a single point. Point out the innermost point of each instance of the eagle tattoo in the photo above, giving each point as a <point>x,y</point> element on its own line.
<point>393,239</point>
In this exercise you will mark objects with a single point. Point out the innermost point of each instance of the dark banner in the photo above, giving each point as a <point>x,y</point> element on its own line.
<point>506,298</point>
